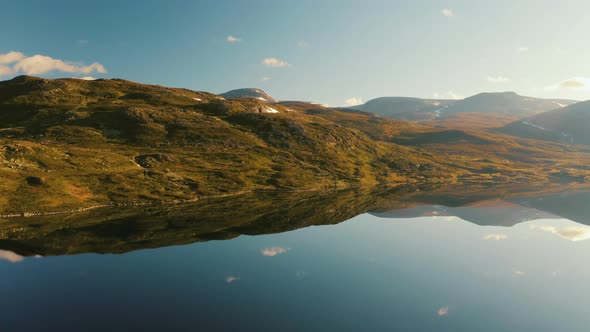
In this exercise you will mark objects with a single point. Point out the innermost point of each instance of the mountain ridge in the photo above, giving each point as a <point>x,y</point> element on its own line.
<point>506,107</point>
<point>70,143</point>
<point>67,144</point>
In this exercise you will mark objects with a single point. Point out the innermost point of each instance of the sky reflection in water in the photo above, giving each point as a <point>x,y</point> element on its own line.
<point>369,273</point>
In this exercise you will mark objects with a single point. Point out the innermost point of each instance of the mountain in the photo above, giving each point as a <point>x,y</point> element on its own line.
<point>249,93</point>
<point>569,124</point>
<point>405,108</point>
<point>70,143</point>
<point>508,103</point>
<point>67,144</point>
<point>570,205</point>
<point>122,230</point>
<point>505,211</point>
<point>484,110</point>
<point>486,213</point>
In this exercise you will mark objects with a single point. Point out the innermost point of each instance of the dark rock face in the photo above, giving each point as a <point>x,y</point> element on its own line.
<point>35,181</point>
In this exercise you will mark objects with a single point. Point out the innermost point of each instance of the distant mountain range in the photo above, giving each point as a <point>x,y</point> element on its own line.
<point>492,213</point>
<point>505,104</point>
<point>546,119</point>
<point>509,104</point>
<point>406,108</point>
<point>560,120</point>
<point>505,212</point>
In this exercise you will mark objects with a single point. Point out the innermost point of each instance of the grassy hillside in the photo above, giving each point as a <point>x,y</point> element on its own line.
<point>486,157</point>
<point>69,143</point>
<point>72,143</point>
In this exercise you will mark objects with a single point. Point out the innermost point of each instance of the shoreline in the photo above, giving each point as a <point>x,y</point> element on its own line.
<point>115,205</point>
<point>552,189</point>
<point>154,203</point>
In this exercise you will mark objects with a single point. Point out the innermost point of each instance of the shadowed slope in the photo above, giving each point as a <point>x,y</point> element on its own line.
<point>569,124</point>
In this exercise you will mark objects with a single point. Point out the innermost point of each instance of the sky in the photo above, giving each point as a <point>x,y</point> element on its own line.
<point>334,52</point>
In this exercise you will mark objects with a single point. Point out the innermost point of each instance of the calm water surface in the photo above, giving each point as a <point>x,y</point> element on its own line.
<point>374,272</point>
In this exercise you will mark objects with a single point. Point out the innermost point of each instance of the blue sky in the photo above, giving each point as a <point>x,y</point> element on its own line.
<point>324,51</point>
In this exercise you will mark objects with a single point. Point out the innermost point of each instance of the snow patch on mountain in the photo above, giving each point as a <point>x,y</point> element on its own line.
<point>533,125</point>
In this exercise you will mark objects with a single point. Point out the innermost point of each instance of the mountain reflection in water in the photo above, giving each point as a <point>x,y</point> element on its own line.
<point>123,230</point>
<point>406,259</point>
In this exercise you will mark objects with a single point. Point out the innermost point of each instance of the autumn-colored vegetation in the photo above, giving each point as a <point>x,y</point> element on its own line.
<point>69,143</point>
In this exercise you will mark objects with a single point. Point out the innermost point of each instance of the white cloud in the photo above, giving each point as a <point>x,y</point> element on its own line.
<point>498,79</point>
<point>274,62</point>
<point>5,71</point>
<point>444,311</point>
<point>11,57</point>
<point>522,49</point>
<point>231,279</point>
<point>354,101</point>
<point>11,256</point>
<point>572,233</point>
<point>575,83</point>
<point>273,251</point>
<point>496,237</point>
<point>447,12</point>
<point>266,78</point>
<point>41,64</point>
<point>233,39</point>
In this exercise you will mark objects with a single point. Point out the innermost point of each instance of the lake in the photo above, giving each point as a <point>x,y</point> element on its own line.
<point>402,260</point>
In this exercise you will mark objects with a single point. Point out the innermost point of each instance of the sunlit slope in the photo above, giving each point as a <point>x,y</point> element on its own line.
<point>71,143</point>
